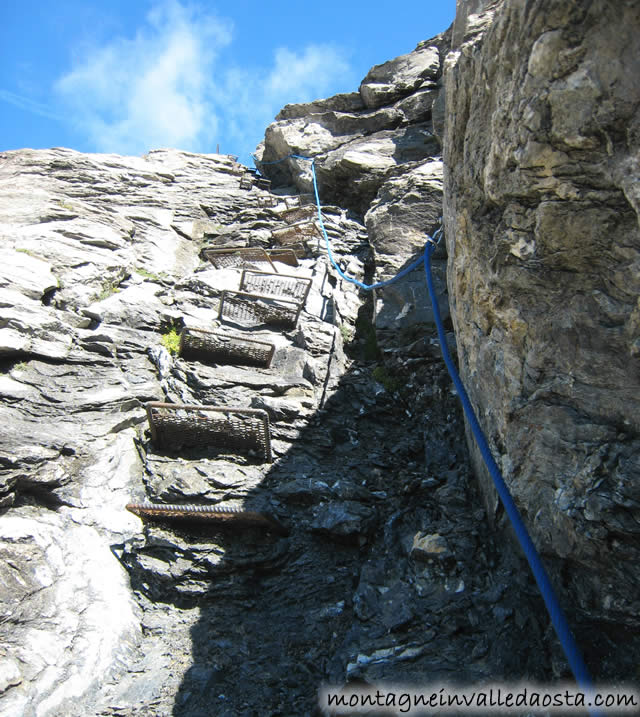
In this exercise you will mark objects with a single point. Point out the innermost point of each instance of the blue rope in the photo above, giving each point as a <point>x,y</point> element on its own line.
<point>558,619</point>
<point>351,280</point>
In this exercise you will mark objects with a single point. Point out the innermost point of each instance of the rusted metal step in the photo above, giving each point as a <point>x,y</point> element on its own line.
<point>262,183</point>
<point>304,213</point>
<point>246,307</point>
<point>287,286</point>
<point>232,257</point>
<point>252,179</point>
<point>300,231</point>
<point>216,514</point>
<point>215,347</point>
<point>269,201</point>
<point>237,430</point>
<point>300,249</point>
<point>299,200</point>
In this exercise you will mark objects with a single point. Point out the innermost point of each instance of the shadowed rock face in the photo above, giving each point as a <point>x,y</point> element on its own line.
<point>542,223</point>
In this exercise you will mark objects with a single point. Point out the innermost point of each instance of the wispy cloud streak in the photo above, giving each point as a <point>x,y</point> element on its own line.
<point>152,90</point>
<point>169,86</point>
<point>29,105</point>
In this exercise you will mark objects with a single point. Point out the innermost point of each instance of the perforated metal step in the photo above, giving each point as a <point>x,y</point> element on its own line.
<point>268,201</point>
<point>236,430</point>
<point>300,249</point>
<point>230,257</point>
<point>284,285</point>
<point>305,213</point>
<point>216,347</point>
<point>300,231</point>
<point>255,309</point>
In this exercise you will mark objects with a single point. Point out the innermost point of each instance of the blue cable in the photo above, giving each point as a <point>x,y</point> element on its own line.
<point>351,280</point>
<point>558,619</point>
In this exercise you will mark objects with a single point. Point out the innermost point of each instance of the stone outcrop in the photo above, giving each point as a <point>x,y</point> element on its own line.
<point>361,139</point>
<point>377,153</point>
<point>384,566</point>
<point>542,223</point>
<point>102,614</point>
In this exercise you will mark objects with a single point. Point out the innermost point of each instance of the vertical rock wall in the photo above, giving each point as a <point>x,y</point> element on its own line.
<point>541,154</point>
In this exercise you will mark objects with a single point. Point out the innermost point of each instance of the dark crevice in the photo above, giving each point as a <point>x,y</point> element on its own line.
<point>48,295</point>
<point>40,494</point>
<point>8,363</point>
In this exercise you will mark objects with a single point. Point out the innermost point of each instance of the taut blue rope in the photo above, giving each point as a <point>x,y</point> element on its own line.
<point>558,619</point>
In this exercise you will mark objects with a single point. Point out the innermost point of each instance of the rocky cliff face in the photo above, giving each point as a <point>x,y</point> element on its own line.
<point>535,105</point>
<point>376,577</point>
<point>542,216</point>
<point>384,567</point>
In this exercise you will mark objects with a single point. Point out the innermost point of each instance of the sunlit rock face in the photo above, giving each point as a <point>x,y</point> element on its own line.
<point>378,153</point>
<point>541,206</point>
<point>103,260</point>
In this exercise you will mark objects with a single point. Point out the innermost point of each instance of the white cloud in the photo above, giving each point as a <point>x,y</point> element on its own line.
<point>306,76</point>
<point>166,86</point>
<point>150,91</point>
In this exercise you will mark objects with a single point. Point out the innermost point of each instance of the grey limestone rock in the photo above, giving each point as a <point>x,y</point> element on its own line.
<point>357,146</point>
<point>542,228</point>
<point>405,209</point>
<point>401,76</point>
<point>347,102</point>
<point>345,520</point>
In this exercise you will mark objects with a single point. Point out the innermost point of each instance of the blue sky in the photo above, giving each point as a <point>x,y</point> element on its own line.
<point>127,76</point>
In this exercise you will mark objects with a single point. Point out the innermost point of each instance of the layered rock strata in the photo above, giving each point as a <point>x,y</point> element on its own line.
<point>377,152</point>
<point>100,262</point>
<point>102,614</point>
